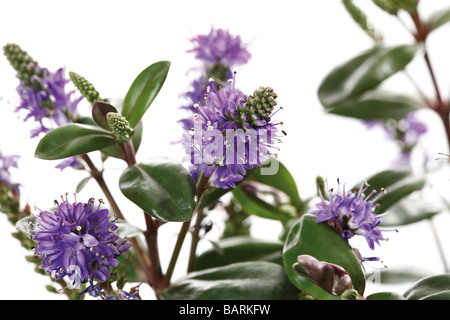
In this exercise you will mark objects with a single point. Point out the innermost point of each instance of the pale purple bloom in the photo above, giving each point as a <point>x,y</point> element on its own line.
<point>7,162</point>
<point>50,107</point>
<point>351,213</point>
<point>77,240</point>
<point>219,46</point>
<point>218,51</point>
<point>406,132</point>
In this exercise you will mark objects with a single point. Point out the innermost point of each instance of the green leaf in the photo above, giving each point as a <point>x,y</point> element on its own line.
<point>257,280</point>
<point>322,242</point>
<point>26,225</point>
<point>252,204</point>
<point>162,188</point>
<point>385,296</point>
<point>82,184</point>
<point>73,139</point>
<point>363,73</point>
<point>239,249</point>
<point>385,179</point>
<point>399,191</point>
<point>401,275</point>
<point>409,211</point>
<point>116,152</point>
<point>438,19</point>
<point>430,288</point>
<point>99,111</point>
<point>398,185</point>
<point>127,230</point>
<point>377,106</point>
<point>271,196</point>
<point>143,91</point>
<point>281,180</point>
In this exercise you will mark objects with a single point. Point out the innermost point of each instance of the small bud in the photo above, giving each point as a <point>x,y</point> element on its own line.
<point>350,294</point>
<point>86,89</point>
<point>120,126</point>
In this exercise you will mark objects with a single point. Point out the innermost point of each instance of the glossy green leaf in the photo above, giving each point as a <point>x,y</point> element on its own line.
<point>256,280</point>
<point>252,204</point>
<point>399,191</point>
<point>363,73</point>
<point>398,185</point>
<point>385,296</point>
<point>143,91</point>
<point>378,106</point>
<point>73,139</point>
<point>99,111</point>
<point>384,179</point>
<point>240,249</point>
<point>430,288</point>
<point>322,242</point>
<point>281,180</point>
<point>116,152</point>
<point>162,188</point>
<point>438,19</point>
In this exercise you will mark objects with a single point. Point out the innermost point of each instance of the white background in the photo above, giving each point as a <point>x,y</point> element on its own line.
<point>294,44</point>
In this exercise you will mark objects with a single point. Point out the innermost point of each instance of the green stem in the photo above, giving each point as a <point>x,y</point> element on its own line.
<point>201,188</point>
<point>151,234</point>
<point>439,245</point>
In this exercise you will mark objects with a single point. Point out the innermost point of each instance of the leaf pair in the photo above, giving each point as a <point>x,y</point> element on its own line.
<point>74,139</point>
<point>348,89</point>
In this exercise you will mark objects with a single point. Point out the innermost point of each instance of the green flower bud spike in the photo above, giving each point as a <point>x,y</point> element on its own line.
<point>86,88</point>
<point>23,63</point>
<point>262,101</point>
<point>350,294</point>
<point>257,108</point>
<point>120,127</point>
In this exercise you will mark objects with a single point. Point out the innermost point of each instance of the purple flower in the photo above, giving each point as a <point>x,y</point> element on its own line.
<point>230,132</point>
<point>219,46</point>
<point>6,162</point>
<point>351,213</point>
<point>50,107</point>
<point>406,132</point>
<point>78,240</point>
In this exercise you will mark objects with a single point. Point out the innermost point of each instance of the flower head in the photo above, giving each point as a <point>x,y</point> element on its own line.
<point>230,132</point>
<point>6,162</point>
<point>79,241</point>
<point>219,46</point>
<point>351,213</point>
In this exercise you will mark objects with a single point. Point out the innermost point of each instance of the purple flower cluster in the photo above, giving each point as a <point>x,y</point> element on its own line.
<point>52,106</point>
<point>219,46</point>
<point>78,240</point>
<point>351,213</point>
<point>228,135</point>
<point>6,162</point>
<point>53,102</point>
<point>218,52</point>
<point>406,132</point>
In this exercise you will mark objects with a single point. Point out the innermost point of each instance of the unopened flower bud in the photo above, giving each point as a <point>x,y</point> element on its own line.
<point>350,294</point>
<point>86,88</point>
<point>120,126</point>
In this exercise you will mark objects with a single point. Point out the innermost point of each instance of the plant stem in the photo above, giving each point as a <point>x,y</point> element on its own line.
<point>439,246</point>
<point>151,234</point>
<point>201,188</point>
